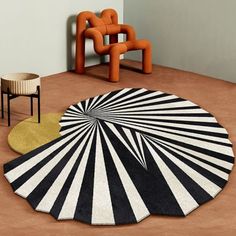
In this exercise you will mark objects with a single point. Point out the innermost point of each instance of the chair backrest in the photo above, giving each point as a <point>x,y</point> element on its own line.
<point>107,17</point>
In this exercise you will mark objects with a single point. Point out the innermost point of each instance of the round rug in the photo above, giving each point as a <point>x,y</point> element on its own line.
<point>125,155</point>
<point>28,134</point>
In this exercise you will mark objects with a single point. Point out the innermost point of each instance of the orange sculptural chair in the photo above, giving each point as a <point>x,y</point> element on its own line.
<point>107,24</point>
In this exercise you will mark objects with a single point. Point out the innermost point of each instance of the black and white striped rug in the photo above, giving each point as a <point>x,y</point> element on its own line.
<point>123,156</point>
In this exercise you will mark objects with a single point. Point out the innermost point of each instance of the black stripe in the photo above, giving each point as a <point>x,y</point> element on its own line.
<point>138,123</point>
<point>57,206</point>
<point>221,135</point>
<point>83,210</point>
<point>106,102</point>
<point>110,95</point>
<point>150,184</point>
<point>16,162</point>
<point>89,102</point>
<point>171,108</point>
<point>122,209</point>
<point>198,149</point>
<point>122,133</point>
<point>114,105</point>
<point>28,174</point>
<point>77,107</point>
<point>38,193</point>
<point>82,121</point>
<point>134,134</point>
<point>204,172</point>
<point>227,171</point>
<point>159,198</point>
<point>198,138</point>
<point>152,104</point>
<point>160,114</point>
<point>198,193</point>
<point>80,126</point>
<point>183,135</point>
<point>213,134</point>
<point>83,104</point>
<point>73,111</point>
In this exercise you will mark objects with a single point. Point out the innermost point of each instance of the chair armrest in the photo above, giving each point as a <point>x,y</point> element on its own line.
<point>129,31</point>
<point>119,28</point>
<point>96,35</point>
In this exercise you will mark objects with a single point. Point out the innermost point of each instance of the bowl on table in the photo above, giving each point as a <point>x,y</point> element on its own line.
<point>20,83</point>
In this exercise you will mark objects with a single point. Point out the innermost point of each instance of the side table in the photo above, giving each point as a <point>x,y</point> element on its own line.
<point>20,84</point>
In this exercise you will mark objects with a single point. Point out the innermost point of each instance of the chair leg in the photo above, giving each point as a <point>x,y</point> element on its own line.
<point>2,104</point>
<point>114,66</point>
<point>80,55</point>
<point>147,60</point>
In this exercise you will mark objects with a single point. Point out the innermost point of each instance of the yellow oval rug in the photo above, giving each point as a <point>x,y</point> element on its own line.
<point>28,134</point>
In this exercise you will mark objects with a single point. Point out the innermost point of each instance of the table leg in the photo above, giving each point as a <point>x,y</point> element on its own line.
<point>31,106</point>
<point>2,104</point>
<point>38,89</point>
<point>8,107</point>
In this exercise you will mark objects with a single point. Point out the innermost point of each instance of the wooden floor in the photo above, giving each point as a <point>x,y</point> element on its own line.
<point>217,217</point>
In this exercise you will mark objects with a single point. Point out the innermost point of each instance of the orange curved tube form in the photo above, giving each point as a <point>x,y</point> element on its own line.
<point>107,24</point>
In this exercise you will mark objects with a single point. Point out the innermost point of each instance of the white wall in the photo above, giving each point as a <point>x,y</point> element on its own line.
<point>36,36</point>
<point>194,35</point>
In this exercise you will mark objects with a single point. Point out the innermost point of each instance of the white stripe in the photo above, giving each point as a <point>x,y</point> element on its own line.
<point>134,102</point>
<point>49,198</point>
<point>15,173</point>
<point>158,106</point>
<point>75,109</point>
<point>110,99</point>
<point>76,128</point>
<point>25,189</point>
<point>63,124</point>
<point>177,111</point>
<point>189,133</point>
<point>91,104</point>
<point>86,104</point>
<point>205,183</point>
<point>204,144</point>
<point>155,118</point>
<point>202,156</point>
<point>185,126</point>
<point>141,147</point>
<point>198,143</point>
<point>86,118</point>
<point>72,114</point>
<point>138,206</point>
<point>210,168</point>
<point>80,106</point>
<point>70,203</point>
<point>101,207</point>
<point>113,99</point>
<point>182,196</point>
<point>98,101</point>
<point>119,136</point>
<point>131,139</point>
<point>67,121</point>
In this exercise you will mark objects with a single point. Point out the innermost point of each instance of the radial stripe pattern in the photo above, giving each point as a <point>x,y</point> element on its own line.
<point>123,156</point>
